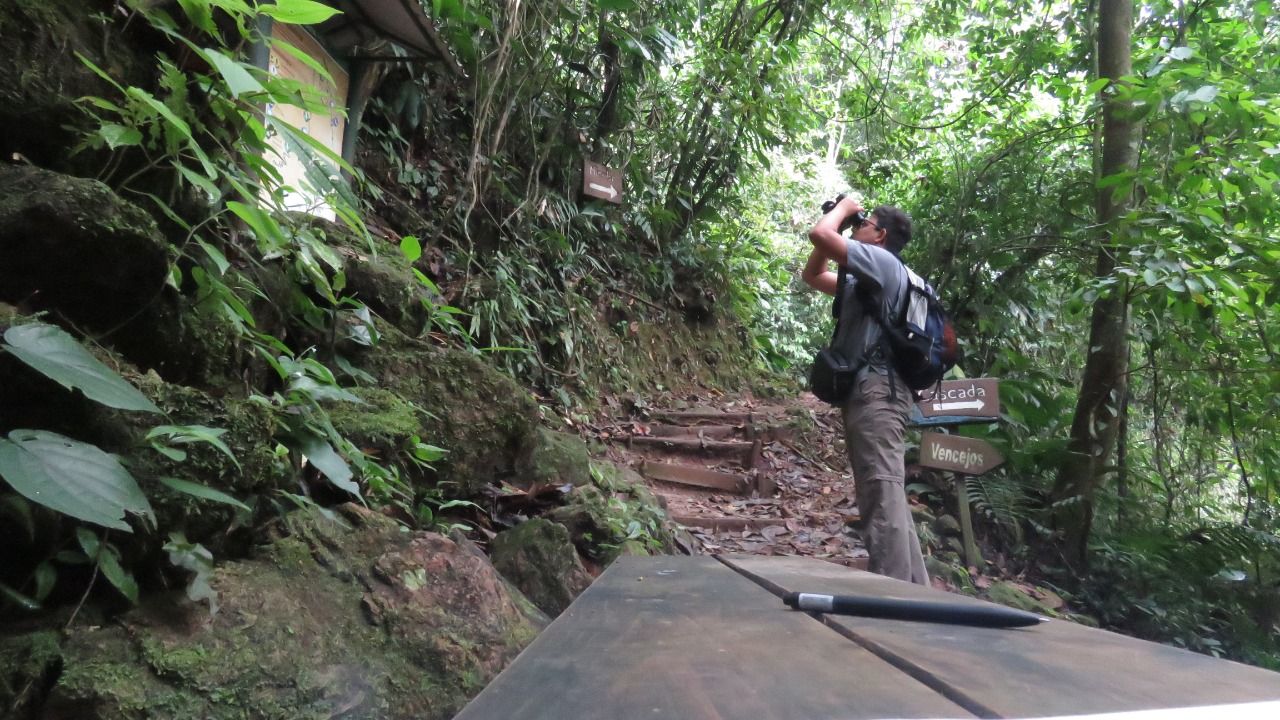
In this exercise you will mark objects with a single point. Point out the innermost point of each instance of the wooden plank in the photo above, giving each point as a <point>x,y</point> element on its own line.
<point>696,477</point>
<point>704,416</point>
<point>727,524</point>
<point>713,432</point>
<point>732,449</point>
<point>686,638</point>
<point>766,484</point>
<point>1056,668</point>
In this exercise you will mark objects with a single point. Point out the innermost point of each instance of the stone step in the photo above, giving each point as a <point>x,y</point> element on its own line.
<point>697,477</point>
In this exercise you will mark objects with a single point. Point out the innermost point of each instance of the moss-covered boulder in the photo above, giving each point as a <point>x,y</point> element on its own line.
<point>920,514</point>
<point>384,423</point>
<point>363,621</point>
<point>557,458</point>
<point>539,557</point>
<point>42,75</point>
<point>951,574</point>
<point>485,421</point>
<point>604,524</point>
<point>380,276</point>
<point>947,526</point>
<point>74,246</point>
<point>28,663</point>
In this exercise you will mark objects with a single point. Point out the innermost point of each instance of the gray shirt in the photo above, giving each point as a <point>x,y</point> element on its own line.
<point>880,276</point>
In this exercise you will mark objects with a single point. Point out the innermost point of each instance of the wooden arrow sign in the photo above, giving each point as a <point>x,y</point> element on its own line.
<point>601,181</point>
<point>969,456</point>
<point>972,398</point>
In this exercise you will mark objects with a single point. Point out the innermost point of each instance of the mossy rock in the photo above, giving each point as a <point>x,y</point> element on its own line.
<point>617,478</point>
<point>600,524</point>
<point>481,417</point>
<point>28,662</point>
<point>557,458</point>
<point>1007,593</point>
<point>42,78</point>
<point>538,556</point>
<point>379,275</point>
<point>384,421</point>
<point>953,575</point>
<point>586,517</point>
<point>188,342</point>
<point>74,246</point>
<point>947,526</point>
<point>921,514</point>
<point>355,619</point>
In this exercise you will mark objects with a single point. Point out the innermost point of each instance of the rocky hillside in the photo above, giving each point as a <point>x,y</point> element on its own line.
<point>245,471</point>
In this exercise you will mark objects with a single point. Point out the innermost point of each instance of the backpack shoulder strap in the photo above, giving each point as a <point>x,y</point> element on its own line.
<point>837,303</point>
<point>842,279</point>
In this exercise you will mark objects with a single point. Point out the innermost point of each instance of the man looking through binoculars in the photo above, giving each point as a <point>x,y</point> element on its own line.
<point>875,412</point>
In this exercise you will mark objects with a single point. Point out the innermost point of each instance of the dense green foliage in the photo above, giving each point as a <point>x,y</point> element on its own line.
<point>732,120</point>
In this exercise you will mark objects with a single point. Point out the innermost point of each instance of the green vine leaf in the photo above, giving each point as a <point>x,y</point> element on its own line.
<point>186,435</point>
<point>57,355</point>
<point>203,492</point>
<point>71,477</point>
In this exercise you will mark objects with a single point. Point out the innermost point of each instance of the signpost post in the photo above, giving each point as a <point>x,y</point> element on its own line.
<point>960,402</point>
<point>601,181</point>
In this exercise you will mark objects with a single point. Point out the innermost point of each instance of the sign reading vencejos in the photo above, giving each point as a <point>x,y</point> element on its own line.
<point>969,456</point>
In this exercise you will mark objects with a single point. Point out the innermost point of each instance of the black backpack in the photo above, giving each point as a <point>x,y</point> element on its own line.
<point>921,341</point>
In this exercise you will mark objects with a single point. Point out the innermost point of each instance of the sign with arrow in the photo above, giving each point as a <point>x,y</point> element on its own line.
<point>601,181</point>
<point>972,398</point>
<point>965,455</point>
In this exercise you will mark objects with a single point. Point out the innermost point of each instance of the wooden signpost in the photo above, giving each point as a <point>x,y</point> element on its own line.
<point>967,456</point>
<point>601,181</point>
<point>960,402</point>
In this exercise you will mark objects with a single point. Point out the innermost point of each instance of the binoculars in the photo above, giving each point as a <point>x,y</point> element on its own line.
<point>853,221</point>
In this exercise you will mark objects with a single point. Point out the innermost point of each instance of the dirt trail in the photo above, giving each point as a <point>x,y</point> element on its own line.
<point>741,475</point>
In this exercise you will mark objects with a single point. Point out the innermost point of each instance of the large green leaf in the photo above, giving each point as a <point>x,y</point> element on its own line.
<point>239,80</point>
<point>327,460</point>
<point>298,12</point>
<point>71,477</point>
<point>57,355</point>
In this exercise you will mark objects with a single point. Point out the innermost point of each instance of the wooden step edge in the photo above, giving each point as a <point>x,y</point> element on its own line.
<point>696,477</point>
<point>694,416</point>
<point>727,524</point>
<point>711,432</point>
<point>726,447</point>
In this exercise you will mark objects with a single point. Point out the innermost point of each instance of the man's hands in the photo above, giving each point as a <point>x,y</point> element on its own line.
<point>825,235</point>
<point>829,245</point>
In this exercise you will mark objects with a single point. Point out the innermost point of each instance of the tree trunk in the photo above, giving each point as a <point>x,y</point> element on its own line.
<point>1096,423</point>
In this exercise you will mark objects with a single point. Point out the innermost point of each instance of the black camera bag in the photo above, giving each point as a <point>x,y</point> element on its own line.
<point>831,379</point>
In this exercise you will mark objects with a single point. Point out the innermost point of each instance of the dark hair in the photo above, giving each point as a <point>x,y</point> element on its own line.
<point>897,226</point>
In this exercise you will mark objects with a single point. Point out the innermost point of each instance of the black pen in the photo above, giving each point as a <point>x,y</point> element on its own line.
<point>920,610</point>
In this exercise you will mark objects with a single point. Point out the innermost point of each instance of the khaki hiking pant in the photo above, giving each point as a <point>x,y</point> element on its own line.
<point>875,421</point>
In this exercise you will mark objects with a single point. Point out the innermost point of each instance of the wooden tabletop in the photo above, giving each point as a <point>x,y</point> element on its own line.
<point>694,638</point>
